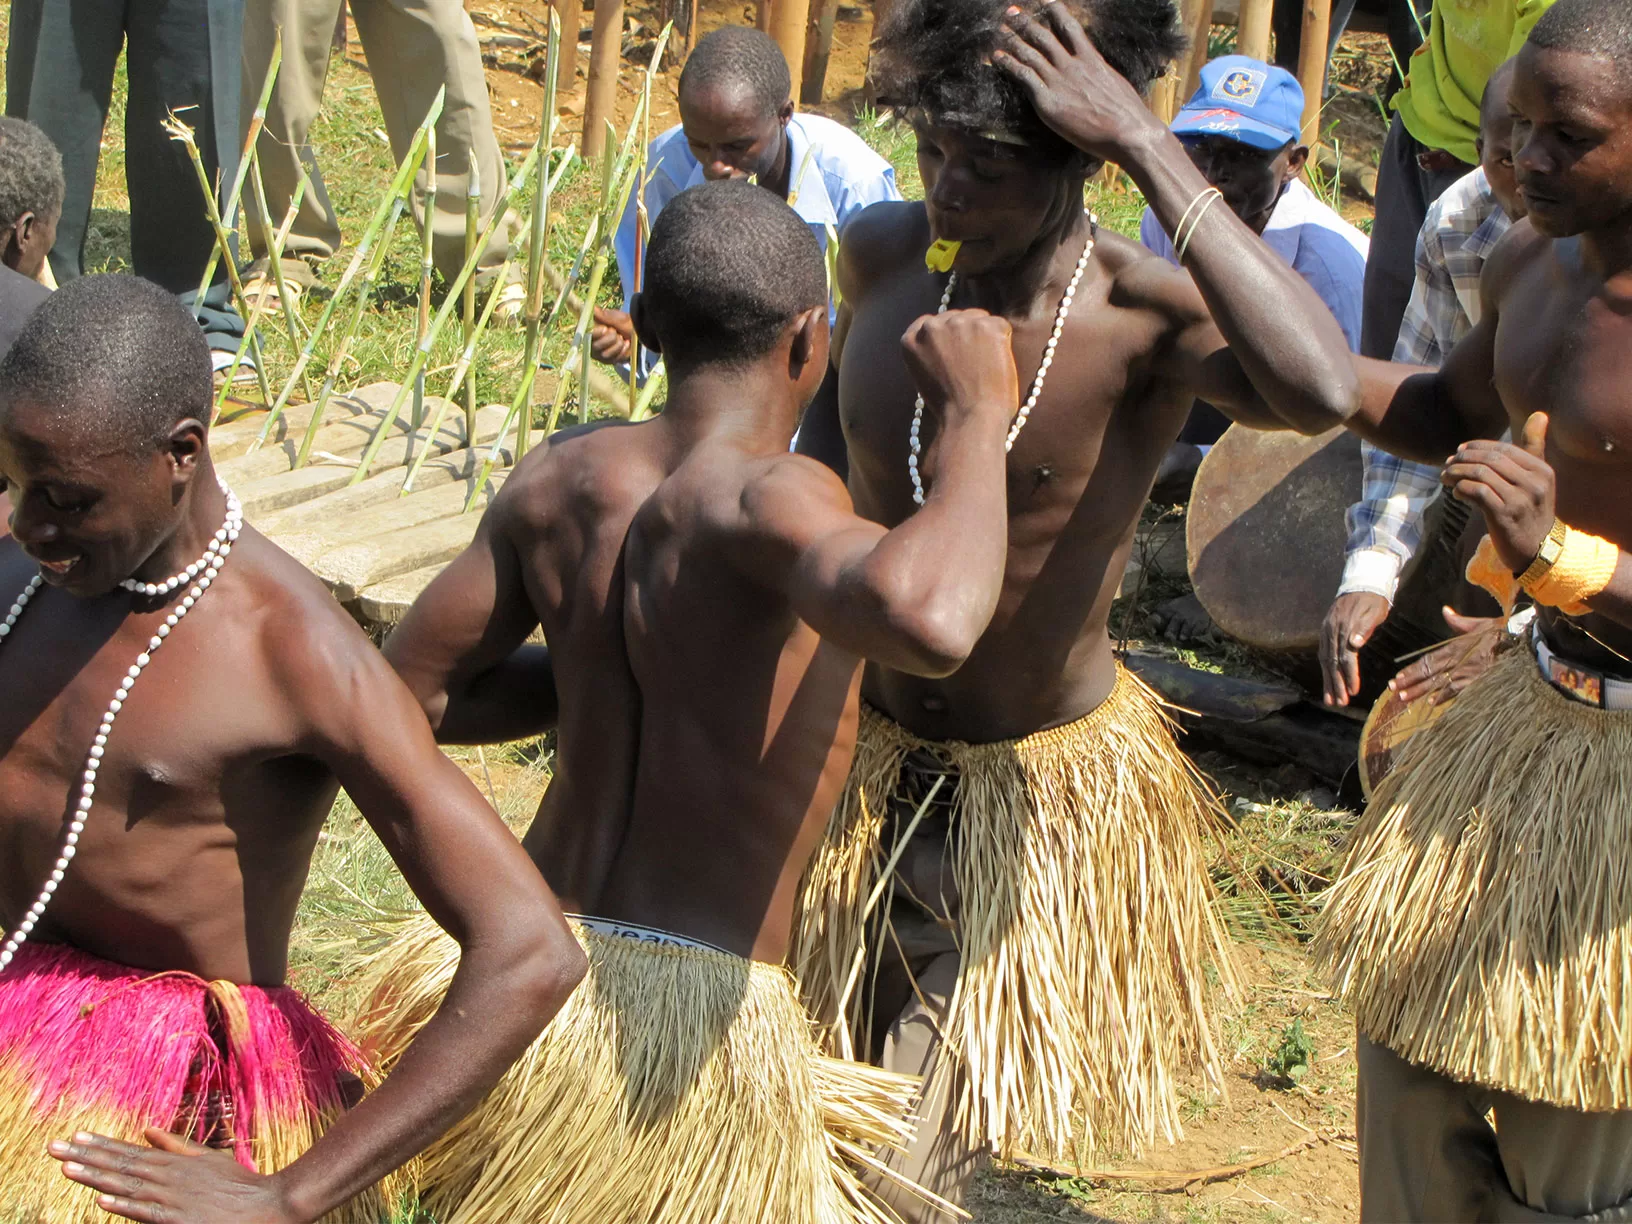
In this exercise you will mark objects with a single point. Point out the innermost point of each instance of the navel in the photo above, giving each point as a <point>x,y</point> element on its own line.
<point>934,703</point>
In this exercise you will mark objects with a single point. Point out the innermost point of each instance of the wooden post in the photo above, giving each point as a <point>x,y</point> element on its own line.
<point>1257,20</point>
<point>1198,23</point>
<point>605,54</point>
<point>1312,60</point>
<point>1163,98</point>
<point>571,15</point>
<point>818,49</point>
<point>788,21</point>
<point>762,15</point>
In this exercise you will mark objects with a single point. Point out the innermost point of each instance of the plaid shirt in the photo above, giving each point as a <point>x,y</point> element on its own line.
<point>1385,526</point>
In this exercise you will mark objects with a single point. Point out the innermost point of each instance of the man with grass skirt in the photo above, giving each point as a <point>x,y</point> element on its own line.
<point>708,599</point>
<point>1482,931</point>
<point>1012,898</point>
<point>182,702</point>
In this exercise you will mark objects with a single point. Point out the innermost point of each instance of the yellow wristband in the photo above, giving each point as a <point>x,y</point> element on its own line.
<point>1489,572</point>
<point>1585,566</point>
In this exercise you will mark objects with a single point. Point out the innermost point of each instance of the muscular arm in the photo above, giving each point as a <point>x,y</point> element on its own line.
<point>462,649</point>
<point>518,959</point>
<point>916,598</point>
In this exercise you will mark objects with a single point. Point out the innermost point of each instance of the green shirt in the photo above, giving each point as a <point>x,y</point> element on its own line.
<point>1469,39</point>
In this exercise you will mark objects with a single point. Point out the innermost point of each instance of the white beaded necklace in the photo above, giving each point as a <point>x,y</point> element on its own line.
<point>914,442</point>
<point>203,572</point>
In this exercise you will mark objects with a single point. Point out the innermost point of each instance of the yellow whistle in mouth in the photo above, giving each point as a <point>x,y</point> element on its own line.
<point>940,255</point>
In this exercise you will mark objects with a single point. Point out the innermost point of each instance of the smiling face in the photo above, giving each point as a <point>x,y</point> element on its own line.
<point>732,135</point>
<point>999,200</point>
<point>88,510</point>
<point>1572,140</point>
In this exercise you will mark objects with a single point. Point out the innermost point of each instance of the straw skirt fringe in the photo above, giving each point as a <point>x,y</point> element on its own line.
<point>1483,925</point>
<point>679,1085</point>
<point>1086,920</point>
<point>86,1044</point>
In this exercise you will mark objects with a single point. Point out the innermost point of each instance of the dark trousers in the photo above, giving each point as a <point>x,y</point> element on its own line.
<point>182,55</point>
<point>1405,192</point>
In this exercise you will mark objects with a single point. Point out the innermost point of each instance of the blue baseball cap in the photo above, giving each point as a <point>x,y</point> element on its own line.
<point>1245,100</point>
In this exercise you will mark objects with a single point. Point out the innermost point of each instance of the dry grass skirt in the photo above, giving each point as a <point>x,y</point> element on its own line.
<point>86,1044</point>
<point>679,1085</point>
<point>1086,923</point>
<point>1483,925</point>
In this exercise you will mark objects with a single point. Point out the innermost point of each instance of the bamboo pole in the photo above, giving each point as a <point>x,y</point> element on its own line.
<point>473,222</point>
<point>818,50</point>
<point>423,350</point>
<point>605,53</point>
<point>788,21</point>
<point>274,247</point>
<point>571,15</point>
<point>537,242</point>
<point>337,359</point>
<point>257,121</point>
<point>426,265</point>
<point>1198,24</point>
<point>274,250</point>
<point>406,171</point>
<point>1253,34</point>
<point>1312,60</point>
<point>223,241</point>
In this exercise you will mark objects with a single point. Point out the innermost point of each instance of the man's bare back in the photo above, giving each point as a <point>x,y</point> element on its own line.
<point>707,598</point>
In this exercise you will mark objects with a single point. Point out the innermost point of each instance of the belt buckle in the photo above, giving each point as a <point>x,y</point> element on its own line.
<point>1581,683</point>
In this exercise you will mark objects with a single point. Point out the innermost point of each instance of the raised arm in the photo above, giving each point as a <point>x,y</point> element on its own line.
<point>462,649</point>
<point>1265,319</point>
<point>916,598</point>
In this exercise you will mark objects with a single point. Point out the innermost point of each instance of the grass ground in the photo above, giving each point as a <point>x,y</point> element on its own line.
<point>1291,1079</point>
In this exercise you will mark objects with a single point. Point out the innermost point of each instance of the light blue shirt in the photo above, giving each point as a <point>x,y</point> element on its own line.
<point>1328,252</point>
<point>833,175</point>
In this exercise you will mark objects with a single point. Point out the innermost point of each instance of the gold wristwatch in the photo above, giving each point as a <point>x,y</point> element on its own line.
<point>1551,549</point>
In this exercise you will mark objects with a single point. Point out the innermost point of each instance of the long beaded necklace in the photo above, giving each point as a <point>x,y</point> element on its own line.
<point>915,443</point>
<point>201,573</point>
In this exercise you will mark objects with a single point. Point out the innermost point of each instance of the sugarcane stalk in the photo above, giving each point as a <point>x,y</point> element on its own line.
<point>399,185</point>
<point>473,221</point>
<point>461,369</point>
<point>539,233</point>
<point>180,131</point>
<point>274,244</point>
<point>423,349</point>
<point>643,406</point>
<point>274,250</point>
<point>426,266</point>
<point>257,121</point>
<point>338,358</point>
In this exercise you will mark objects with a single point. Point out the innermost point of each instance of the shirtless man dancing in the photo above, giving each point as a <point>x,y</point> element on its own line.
<point>1056,889</point>
<point>708,599</point>
<point>153,846</point>
<point>1481,929</point>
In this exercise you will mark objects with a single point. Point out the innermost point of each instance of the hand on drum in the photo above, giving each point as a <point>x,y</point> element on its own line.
<point>1349,624</point>
<point>1444,672</point>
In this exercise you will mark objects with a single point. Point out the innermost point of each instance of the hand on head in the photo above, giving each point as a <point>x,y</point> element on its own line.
<point>1080,96</point>
<point>172,1182</point>
<point>1512,486</point>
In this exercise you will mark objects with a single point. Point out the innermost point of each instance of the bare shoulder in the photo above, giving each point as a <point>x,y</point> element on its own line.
<point>587,470</point>
<point>878,241</point>
<point>791,484</point>
<point>1142,280</point>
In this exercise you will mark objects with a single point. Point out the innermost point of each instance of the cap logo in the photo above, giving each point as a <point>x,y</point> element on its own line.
<point>1242,86</point>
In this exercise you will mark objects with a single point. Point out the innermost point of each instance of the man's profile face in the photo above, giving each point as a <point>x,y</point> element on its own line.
<point>1250,179</point>
<point>730,134</point>
<point>997,199</point>
<point>1572,140</point>
<point>89,512</point>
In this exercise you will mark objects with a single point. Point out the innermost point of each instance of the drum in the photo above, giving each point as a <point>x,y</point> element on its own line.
<point>1265,533</point>
<point>1390,725</point>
